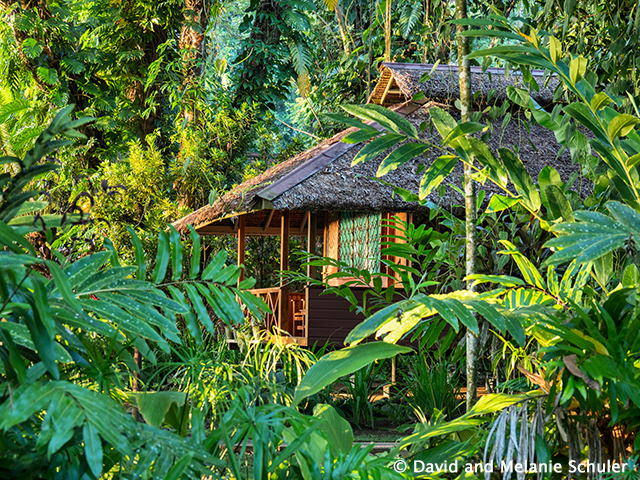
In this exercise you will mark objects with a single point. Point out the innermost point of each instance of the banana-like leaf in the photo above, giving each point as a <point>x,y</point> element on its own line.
<point>155,405</point>
<point>343,362</point>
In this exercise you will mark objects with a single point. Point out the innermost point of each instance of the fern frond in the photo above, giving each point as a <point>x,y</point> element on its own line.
<point>410,17</point>
<point>10,109</point>
<point>330,4</point>
<point>300,57</point>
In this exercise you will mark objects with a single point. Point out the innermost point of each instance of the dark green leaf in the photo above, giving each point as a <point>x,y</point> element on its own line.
<point>440,169</point>
<point>400,156</point>
<point>376,147</point>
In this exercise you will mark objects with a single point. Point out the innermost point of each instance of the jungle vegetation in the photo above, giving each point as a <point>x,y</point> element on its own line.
<point>117,118</point>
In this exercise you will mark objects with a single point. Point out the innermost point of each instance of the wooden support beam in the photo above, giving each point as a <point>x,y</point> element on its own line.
<point>386,90</point>
<point>283,312</point>
<point>312,232</point>
<point>303,224</point>
<point>267,222</point>
<point>284,243</point>
<point>241,244</point>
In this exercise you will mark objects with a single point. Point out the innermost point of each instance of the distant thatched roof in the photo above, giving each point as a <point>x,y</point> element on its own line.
<point>322,178</point>
<point>399,82</point>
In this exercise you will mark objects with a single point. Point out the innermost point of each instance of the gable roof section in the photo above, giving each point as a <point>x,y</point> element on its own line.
<point>399,82</point>
<point>322,178</point>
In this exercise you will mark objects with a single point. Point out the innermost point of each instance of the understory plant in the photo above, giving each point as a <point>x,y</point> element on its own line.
<point>80,338</point>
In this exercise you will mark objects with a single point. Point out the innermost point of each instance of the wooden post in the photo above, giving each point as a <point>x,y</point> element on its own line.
<point>283,317</point>
<point>241,243</point>
<point>312,232</point>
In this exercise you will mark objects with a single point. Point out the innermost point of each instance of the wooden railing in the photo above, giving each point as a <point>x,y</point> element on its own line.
<point>271,297</point>
<point>291,318</point>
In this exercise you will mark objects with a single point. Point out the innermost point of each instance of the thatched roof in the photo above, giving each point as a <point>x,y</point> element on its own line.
<point>322,178</point>
<point>399,82</point>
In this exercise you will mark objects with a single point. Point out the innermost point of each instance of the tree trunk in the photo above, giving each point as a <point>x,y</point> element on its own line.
<point>387,32</point>
<point>469,198</point>
<point>192,43</point>
<point>425,52</point>
<point>343,29</point>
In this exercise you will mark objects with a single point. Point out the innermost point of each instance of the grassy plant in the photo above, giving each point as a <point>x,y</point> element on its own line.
<point>361,388</point>
<point>432,385</point>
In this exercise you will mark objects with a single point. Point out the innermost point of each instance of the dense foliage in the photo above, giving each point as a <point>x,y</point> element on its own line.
<point>116,118</point>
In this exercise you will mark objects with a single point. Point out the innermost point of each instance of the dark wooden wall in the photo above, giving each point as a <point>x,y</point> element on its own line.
<point>329,317</point>
<point>331,321</point>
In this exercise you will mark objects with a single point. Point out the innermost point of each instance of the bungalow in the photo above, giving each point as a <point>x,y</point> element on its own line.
<point>318,193</point>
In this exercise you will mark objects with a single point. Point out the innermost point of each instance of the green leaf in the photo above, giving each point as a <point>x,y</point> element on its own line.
<point>65,417</point>
<point>139,254</point>
<point>48,75</point>
<point>155,405</point>
<point>487,159</point>
<point>195,253</point>
<point>631,276</point>
<point>443,121</point>
<point>466,128</point>
<point>215,265</point>
<point>599,101</point>
<point>463,313</point>
<point>199,308</point>
<point>504,280</point>
<point>361,135</point>
<point>440,169</point>
<point>337,429</point>
<point>25,401</point>
<point>577,69</point>
<point>124,320</point>
<point>388,119</point>
<point>190,319</point>
<point>31,47</point>
<point>352,122</point>
<point>400,156</point>
<point>486,404</point>
<point>146,313</point>
<point>527,268</point>
<point>80,270</point>
<point>626,216</point>
<point>583,114</point>
<point>343,362</point>
<point>498,203</point>
<point>376,147</point>
<point>521,179</point>
<point>633,161</point>
<point>621,125</point>
<point>61,284</point>
<point>92,448</point>
<point>555,49</point>
<point>176,254</point>
<point>558,204</point>
<point>162,259</point>
<point>518,96</point>
<point>179,468</point>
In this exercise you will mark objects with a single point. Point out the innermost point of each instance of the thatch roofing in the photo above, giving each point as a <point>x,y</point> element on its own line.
<point>399,82</point>
<point>322,178</point>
